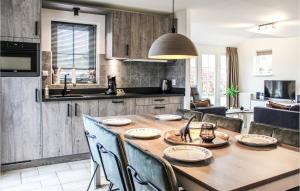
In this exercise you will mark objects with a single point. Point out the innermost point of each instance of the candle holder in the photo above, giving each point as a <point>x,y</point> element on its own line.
<point>207,132</point>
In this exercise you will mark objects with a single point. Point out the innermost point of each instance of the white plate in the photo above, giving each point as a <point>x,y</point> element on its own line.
<point>187,153</point>
<point>168,117</point>
<point>256,140</point>
<point>116,121</point>
<point>143,133</point>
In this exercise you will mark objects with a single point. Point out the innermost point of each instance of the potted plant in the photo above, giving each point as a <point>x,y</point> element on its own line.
<point>232,92</point>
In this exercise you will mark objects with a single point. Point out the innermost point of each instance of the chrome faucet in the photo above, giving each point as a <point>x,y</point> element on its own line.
<point>65,91</point>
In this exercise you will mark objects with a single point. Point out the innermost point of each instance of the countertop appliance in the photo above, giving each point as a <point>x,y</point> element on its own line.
<point>166,86</point>
<point>111,85</point>
<point>19,59</point>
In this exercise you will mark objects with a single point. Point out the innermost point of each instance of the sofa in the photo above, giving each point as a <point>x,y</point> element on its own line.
<point>277,117</point>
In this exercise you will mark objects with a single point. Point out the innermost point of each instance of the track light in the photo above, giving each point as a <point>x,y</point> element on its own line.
<point>76,11</point>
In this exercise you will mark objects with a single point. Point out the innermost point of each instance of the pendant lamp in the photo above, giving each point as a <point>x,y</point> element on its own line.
<point>172,46</point>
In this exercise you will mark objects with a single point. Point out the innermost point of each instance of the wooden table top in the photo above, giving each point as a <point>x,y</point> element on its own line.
<point>234,167</point>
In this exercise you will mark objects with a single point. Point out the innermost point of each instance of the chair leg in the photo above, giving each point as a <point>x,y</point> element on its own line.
<point>93,177</point>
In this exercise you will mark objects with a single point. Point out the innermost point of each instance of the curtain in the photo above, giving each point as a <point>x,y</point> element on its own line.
<point>233,74</point>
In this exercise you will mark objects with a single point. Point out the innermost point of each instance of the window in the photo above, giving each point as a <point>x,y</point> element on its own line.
<point>263,63</point>
<point>212,75</point>
<point>74,51</point>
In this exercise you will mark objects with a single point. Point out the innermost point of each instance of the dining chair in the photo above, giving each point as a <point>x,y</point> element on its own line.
<point>148,172</point>
<point>283,135</point>
<point>229,123</point>
<point>187,114</point>
<point>107,150</point>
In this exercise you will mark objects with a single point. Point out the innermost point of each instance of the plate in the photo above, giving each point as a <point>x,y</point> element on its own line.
<point>116,121</point>
<point>256,140</point>
<point>168,117</point>
<point>195,125</point>
<point>143,133</point>
<point>173,137</point>
<point>186,153</point>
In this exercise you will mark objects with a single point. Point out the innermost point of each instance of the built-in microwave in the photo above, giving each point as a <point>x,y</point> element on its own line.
<point>19,59</point>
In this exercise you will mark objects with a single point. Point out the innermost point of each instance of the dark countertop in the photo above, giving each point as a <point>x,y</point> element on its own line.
<point>130,93</point>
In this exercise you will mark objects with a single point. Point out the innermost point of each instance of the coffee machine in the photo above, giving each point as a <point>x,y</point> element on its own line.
<point>111,85</point>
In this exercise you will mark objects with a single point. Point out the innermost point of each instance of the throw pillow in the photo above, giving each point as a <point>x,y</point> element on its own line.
<point>201,103</point>
<point>279,106</point>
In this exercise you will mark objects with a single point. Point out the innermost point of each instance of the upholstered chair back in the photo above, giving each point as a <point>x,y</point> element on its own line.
<point>187,114</point>
<point>229,123</point>
<point>111,152</point>
<point>283,135</point>
<point>148,172</point>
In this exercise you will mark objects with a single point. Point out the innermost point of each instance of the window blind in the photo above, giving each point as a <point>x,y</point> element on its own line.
<point>264,52</point>
<point>73,45</point>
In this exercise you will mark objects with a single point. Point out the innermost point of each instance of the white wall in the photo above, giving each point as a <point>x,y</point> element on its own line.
<point>49,15</point>
<point>286,62</point>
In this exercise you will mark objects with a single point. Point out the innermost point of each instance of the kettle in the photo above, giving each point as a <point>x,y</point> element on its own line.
<point>166,86</point>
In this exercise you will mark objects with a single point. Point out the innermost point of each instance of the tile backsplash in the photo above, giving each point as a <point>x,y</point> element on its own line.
<point>128,73</point>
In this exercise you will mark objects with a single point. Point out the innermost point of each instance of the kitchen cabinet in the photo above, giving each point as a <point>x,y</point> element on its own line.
<point>158,105</point>
<point>118,34</point>
<point>20,20</point>
<point>112,107</point>
<point>57,128</point>
<point>162,25</point>
<point>141,35</point>
<point>20,120</point>
<point>88,107</point>
<point>63,129</point>
<point>130,35</point>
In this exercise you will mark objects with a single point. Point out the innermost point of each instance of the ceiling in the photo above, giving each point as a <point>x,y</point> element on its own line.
<point>223,22</point>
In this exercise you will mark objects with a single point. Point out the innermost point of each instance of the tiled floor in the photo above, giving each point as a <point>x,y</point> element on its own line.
<point>72,176</point>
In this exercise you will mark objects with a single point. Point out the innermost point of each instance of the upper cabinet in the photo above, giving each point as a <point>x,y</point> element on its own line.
<point>118,34</point>
<point>142,27</point>
<point>130,35</point>
<point>20,20</point>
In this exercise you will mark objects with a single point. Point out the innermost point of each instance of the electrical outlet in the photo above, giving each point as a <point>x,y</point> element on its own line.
<point>173,82</point>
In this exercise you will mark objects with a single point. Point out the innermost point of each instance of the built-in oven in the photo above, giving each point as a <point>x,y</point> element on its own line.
<point>19,59</point>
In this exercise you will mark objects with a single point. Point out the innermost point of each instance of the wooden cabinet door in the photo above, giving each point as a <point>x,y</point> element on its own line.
<point>162,25</point>
<point>89,107</point>
<point>113,107</point>
<point>121,33</point>
<point>20,18</point>
<point>57,128</point>
<point>141,35</point>
<point>20,120</point>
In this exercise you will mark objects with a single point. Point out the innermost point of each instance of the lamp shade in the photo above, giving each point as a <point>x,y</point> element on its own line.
<point>172,46</point>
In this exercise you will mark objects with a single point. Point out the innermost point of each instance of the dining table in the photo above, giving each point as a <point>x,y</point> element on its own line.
<point>233,167</point>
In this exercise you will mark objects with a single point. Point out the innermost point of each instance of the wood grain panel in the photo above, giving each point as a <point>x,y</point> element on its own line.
<point>19,17</point>
<point>141,35</point>
<point>57,129</point>
<point>90,108</point>
<point>20,113</point>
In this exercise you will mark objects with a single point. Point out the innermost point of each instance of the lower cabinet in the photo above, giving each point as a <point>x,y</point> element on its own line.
<point>89,107</point>
<point>111,107</point>
<point>63,129</point>
<point>57,128</point>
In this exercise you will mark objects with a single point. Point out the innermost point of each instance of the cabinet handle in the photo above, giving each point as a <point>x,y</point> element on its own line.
<point>69,110</point>
<point>76,104</point>
<point>127,49</point>
<point>36,95</point>
<point>159,107</point>
<point>159,99</point>
<point>120,101</point>
<point>36,31</point>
